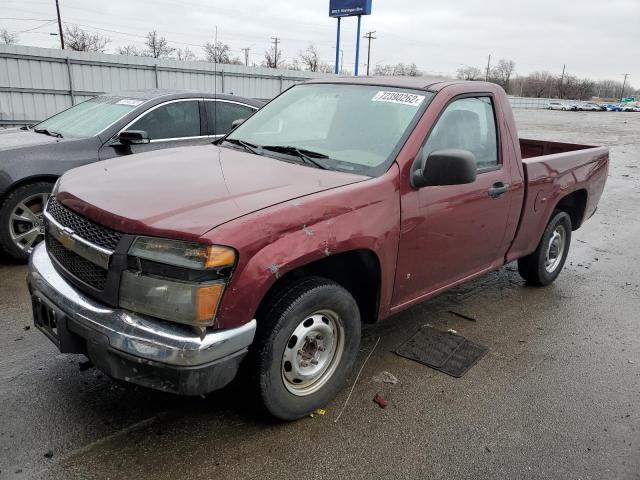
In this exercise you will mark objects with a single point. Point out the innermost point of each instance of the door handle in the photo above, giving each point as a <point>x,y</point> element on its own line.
<point>498,189</point>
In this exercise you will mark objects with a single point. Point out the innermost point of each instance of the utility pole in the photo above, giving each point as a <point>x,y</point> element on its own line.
<point>246,55</point>
<point>564,66</point>
<point>486,76</point>
<point>276,40</point>
<point>60,26</point>
<point>624,84</point>
<point>369,36</point>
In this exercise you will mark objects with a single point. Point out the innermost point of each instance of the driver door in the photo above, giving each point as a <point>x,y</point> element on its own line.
<point>459,230</point>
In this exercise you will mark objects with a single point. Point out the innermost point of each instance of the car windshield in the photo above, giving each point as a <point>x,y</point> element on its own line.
<point>89,118</point>
<point>341,127</point>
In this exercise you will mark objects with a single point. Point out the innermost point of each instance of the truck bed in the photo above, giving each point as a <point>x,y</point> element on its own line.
<point>538,148</point>
<point>557,172</point>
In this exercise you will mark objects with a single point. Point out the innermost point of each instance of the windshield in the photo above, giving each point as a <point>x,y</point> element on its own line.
<point>346,127</point>
<point>89,118</point>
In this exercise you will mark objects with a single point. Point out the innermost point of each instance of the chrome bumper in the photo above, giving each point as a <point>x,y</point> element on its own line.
<point>137,335</point>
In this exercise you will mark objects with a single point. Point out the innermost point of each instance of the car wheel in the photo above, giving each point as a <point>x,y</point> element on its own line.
<point>305,346</point>
<point>21,219</point>
<point>545,264</point>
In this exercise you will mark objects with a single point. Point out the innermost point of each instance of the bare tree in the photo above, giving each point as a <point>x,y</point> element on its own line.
<point>217,52</point>
<point>294,65</point>
<point>157,46</point>
<point>399,69</point>
<point>7,37</point>
<point>270,58</point>
<point>311,58</point>
<point>80,40</point>
<point>502,72</point>
<point>130,50</point>
<point>469,73</point>
<point>184,54</point>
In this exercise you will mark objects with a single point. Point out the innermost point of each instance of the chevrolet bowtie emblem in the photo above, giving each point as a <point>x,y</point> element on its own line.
<point>66,238</point>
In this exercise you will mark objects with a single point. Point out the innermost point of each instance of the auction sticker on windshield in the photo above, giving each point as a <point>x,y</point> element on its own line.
<point>398,97</point>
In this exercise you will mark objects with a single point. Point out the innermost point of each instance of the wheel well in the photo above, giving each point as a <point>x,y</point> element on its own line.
<point>574,205</point>
<point>358,271</point>
<point>27,181</point>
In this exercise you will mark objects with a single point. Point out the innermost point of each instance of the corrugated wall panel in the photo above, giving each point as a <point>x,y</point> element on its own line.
<point>34,82</point>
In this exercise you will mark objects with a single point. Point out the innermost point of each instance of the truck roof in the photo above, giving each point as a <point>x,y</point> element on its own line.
<point>416,83</point>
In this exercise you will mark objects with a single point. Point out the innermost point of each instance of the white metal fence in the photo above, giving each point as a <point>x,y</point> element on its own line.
<point>37,82</point>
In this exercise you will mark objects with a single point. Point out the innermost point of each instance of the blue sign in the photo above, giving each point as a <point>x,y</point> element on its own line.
<point>349,8</point>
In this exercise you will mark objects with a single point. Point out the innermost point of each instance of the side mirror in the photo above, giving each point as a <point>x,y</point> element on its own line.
<point>133,137</point>
<point>236,123</point>
<point>444,167</point>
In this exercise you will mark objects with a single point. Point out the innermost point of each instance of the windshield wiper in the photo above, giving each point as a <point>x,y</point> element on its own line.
<point>249,147</point>
<point>307,156</point>
<point>48,132</point>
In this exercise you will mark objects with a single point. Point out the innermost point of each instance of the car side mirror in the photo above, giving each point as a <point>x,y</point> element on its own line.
<point>236,123</point>
<point>134,137</point>
<point>444,167</point>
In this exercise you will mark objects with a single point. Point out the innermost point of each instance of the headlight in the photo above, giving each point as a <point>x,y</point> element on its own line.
<point>183,254</point>
<point>178,281</point>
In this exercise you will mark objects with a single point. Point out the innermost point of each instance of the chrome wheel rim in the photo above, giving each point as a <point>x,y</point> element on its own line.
<point>26,222</point>
<point>313,352</point>
<point>555,249</point>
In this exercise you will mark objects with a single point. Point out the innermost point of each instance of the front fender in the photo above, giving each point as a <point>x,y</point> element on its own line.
<point>286,237</point>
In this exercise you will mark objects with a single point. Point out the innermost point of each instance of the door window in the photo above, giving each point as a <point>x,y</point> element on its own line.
<point>172,120</point>
<point>222,114</point>
<point>468,124</point>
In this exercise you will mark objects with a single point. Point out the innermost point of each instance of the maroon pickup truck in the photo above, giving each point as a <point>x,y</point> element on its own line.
<point>340,202</point>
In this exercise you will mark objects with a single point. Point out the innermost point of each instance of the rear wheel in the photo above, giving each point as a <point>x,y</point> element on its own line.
<point>305,347</point>
<point>544,265</point>
<point>21,219</point>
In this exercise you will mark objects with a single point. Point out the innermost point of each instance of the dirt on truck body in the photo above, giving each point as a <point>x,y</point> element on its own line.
<point>341,201</point>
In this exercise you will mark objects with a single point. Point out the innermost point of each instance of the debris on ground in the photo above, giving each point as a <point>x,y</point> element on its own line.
<point>380,401</point>
<point>48,454</point>
<point>462,315</point>
<point>386,377</point>
<point>451,330</point>
<point>318,411</point>
<point>27,327</point>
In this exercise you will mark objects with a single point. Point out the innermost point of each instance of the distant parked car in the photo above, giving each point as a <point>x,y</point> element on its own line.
<point>112,125</point>
<point>558,106</point>
<point>589,107</point>
<point>612,107</point>
<point>629,108</point>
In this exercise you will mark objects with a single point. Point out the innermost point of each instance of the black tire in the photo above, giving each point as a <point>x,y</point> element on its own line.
<point>292,308</point>
<point>534,268</point>
<point>9,204</point>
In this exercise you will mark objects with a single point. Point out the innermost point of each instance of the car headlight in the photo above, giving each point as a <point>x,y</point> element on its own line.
<point>174,280</point>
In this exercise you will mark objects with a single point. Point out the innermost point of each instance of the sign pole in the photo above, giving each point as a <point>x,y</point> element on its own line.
<point>358,46</point>
<point>338,48</point>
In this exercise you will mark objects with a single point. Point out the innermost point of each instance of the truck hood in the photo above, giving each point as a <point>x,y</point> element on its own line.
<point>185,192</point>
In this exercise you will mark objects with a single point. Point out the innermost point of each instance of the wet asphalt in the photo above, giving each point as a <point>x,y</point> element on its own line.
<point>557,395</point>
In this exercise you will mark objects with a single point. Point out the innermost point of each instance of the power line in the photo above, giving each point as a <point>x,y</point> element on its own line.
<point>369,36</point>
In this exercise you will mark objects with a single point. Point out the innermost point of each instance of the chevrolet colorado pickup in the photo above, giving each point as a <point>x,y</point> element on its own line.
<point>342,201</point>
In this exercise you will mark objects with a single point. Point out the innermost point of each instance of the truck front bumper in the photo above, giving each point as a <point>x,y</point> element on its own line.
<point>132,347</point>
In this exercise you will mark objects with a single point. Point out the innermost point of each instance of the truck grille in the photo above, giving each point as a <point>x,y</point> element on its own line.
<point>96,234</point>
<point>82,269</point>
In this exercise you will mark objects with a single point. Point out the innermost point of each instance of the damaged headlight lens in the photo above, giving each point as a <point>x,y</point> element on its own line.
<point>183,254</point>
<point>178,281</point>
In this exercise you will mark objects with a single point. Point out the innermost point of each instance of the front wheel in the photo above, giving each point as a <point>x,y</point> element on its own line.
<point>305,347</point>
<point>21,219</point>
<point>544,265</point>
